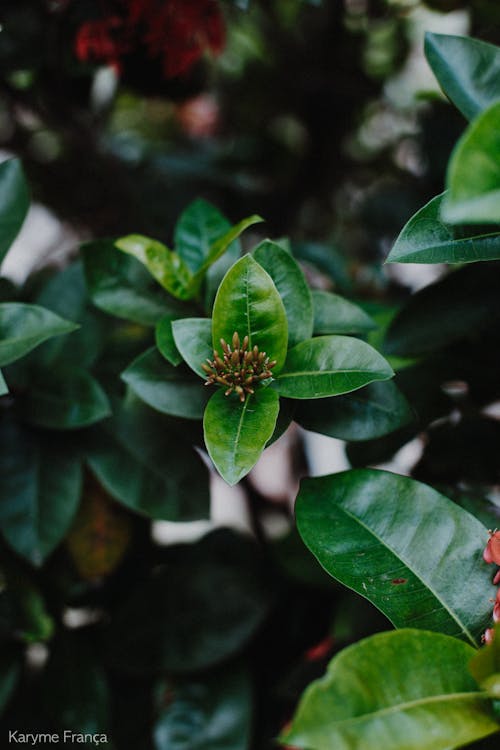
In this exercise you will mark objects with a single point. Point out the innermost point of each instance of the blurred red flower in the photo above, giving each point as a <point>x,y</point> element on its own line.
<point>175,32</point>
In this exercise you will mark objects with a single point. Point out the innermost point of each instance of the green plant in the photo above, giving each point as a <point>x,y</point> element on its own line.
<point>204,347</point>
<point>257,347</point>
<point>412,552</point>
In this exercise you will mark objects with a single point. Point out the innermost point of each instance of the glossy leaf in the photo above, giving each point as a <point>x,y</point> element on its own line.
<point>462,304</point>
<point>165,266</point>
<point>329,366</point>
<point>64,398</point>
<point>119,285</point>
<point>202,235</point>
<point>164,339</point>
<point>204,605</point>
<point>217,271</point>
<point>23,327</point>
<point>14,203</point>
<point>193,338</point>
<point>235,433</point>
<point>249,303</point>
<point>198,229</point>
<point>199,225</point>
<point>292,288</point>
<point>468,71</point>
<point>407,688</point>
<point>427,239</point>
<point>473,176</point>
<point>365,414</point>
<point>40,483</point>
<point>403,546</point>
<point>166,388</point>
<point>334,314</point>
<point>134,458</point>
<point>209,713</point>
<point>221,245</point>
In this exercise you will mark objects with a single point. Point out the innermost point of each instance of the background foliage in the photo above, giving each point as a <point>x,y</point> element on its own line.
<point>296,112</point>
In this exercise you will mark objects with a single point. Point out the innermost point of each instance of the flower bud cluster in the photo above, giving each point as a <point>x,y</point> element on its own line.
<point>240,368</point>
<point>491,554</point>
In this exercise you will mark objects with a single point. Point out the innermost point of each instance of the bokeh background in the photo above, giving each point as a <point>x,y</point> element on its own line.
<point>323,117</point>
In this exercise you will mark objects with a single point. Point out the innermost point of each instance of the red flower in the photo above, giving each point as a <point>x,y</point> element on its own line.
<point>101,41</point>
<point>491,553</point>
<point>320,650</point>
<point>488,636</point>
<point>175,32</point>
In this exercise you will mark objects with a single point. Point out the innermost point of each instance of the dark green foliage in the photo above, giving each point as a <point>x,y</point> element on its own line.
<point>185,345</point>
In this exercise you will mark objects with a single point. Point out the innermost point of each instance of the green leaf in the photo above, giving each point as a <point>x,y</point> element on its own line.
<point>119,285</point>
<point>203,605</point>
<point>165,388</point>
<point>134,458</point>
<point>462,304</point>
<point>81,705</point>
<point>217,271</point>
<point>164,338</point>
<point>10,670</point>
<point>468,71</point>
<point>284,420</point>
<point>236,434</point>
<point>292,288</point>
<point>223,244</point>
<point>4,388</point>
<point>63,399</point>
<point>485,666</point>
<point>368,413</point>
<point>427,239</point>
<point>329,366</point>
<point>40,483</point>
<point>408,549</point>
<point>473,176</point>
<point>29,619</point>
<point>249,303</point>
<point>196,233</point>
<point>66,294</point>
<point>209,713</point>
<point>198,227</point>
<point>14,203</point>
<point>406,689</point>
<point>24,327</point>
<point>334,314</point>
<point>168,268</point>
<point>202,235</point>
<point>193,338</point>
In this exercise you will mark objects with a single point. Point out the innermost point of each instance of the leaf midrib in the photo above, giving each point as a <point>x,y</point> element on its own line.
<point>238,431</point>
<point>445,243</point>
<point>301,373</point>
<point>400,707</point>
<point>407,565</point>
